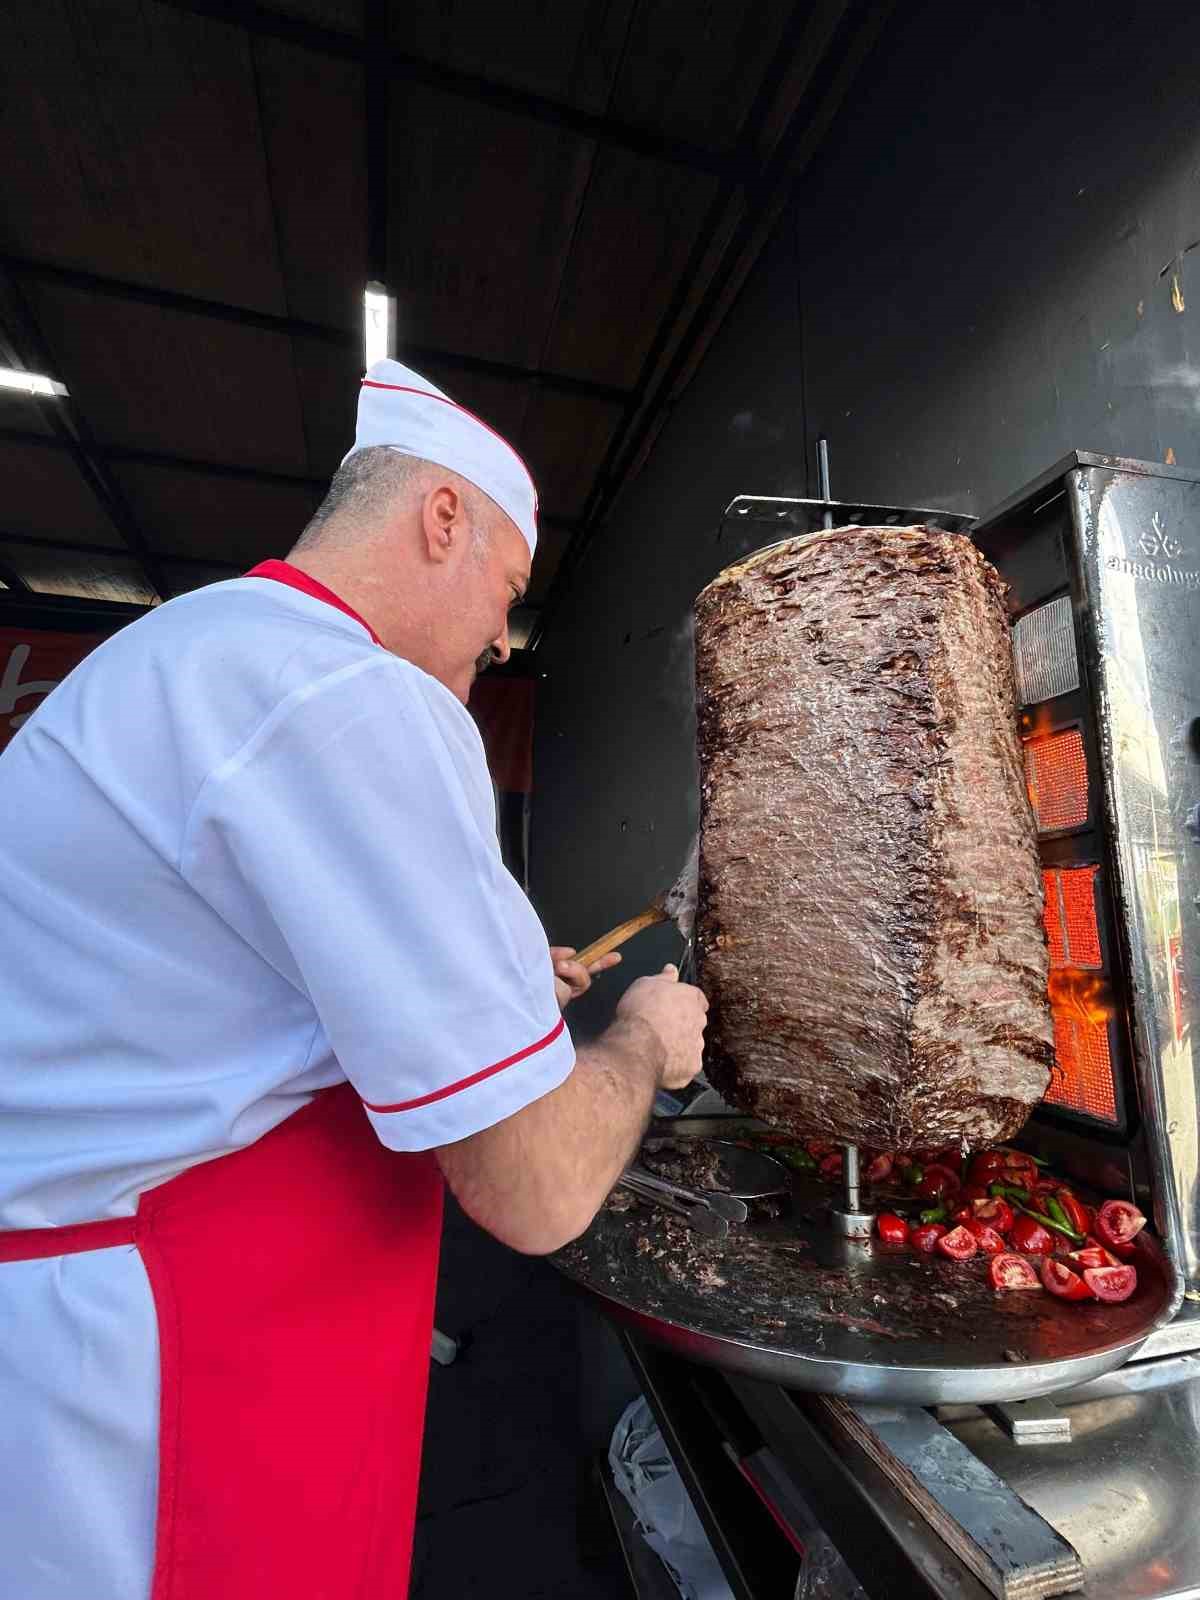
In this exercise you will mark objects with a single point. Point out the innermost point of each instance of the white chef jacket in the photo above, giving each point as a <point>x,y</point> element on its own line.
<point>245,853</point>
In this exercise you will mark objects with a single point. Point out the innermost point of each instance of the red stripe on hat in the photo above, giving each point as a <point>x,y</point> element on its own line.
<point>476,1077</point>
<point>405,388</point>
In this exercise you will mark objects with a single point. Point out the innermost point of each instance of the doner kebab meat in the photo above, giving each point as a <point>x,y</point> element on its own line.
<point>870,919</point>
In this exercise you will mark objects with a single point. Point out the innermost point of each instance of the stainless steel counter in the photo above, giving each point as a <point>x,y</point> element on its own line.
<point>1126,1490</point>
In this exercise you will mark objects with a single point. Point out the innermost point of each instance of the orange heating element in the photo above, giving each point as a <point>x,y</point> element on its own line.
<point>1057,779</point>
<point>1080,997</point>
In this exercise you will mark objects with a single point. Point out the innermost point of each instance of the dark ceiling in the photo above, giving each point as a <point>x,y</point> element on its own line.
<point>564,196</point>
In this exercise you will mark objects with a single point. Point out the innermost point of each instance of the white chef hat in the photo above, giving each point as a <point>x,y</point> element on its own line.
<point>399,408</point>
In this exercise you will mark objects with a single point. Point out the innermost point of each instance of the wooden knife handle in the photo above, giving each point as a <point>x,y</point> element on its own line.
<point>618,936</point>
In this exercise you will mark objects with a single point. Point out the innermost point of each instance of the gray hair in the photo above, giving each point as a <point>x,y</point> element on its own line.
<point>361,489</point>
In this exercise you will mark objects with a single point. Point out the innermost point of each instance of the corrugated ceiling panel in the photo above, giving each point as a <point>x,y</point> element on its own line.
<point>149,163</point>
<point>328,382</point>
<point>633,242</point>
<point>694,66</point>
<point>565,440</point>
<point>345,16</point>
<point>313,122</point>
<point>216,519</point>
<point>183,579</point>
<point>552,544</point>
<point>45,495</point>
<point>98,577</point>
<point>483,204</point>
<point>169,381</point>
<point>565,52</point>
<point>21,411</point>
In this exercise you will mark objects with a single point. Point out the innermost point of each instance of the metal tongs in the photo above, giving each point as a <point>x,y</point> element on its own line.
<point>705,1211</point>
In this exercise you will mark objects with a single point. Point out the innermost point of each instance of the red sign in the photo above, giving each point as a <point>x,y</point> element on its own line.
<point>33,662</point>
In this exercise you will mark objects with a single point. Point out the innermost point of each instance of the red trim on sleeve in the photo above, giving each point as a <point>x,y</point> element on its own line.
<point>476,1077</point>
<point>284,572</point>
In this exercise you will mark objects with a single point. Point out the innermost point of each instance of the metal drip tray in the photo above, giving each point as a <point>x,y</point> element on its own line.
<point>788,1300</point>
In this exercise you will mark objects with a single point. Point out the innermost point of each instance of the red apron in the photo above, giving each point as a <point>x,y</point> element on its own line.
<point>294,1284</point>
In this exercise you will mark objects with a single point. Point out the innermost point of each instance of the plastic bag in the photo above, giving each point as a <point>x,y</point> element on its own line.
<point>823,1573</point>
<point>647,1477</point>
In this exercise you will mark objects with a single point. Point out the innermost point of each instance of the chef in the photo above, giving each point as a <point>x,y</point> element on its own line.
<point>265,985</point>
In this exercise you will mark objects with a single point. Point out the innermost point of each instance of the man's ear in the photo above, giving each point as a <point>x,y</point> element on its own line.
<point>442,522</point>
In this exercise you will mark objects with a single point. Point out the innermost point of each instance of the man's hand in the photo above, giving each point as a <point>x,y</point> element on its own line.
<point>676,1012</point>
<point>572,978</point>
<point>537,1178</point>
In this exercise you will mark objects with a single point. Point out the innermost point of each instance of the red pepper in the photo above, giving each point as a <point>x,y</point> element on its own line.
<point>925,1237</point>
<point>1061,1281</point>
<point>936,1183</point>
<point>1012,1272</point>
<point>988,1240</point>
<point>1030,1238</point>
<point>998,1214</point>
<point>891,1228</point>
<point>958,1244</point>
<point>1078,1215</point>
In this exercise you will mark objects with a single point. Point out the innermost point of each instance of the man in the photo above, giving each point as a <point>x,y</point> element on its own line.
<point>265,982</point>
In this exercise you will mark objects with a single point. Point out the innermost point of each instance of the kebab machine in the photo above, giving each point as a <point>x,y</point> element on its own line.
<point>798,1369</point>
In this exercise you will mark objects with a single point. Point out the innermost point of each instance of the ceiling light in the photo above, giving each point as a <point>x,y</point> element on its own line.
<point>379,323</point>
<point>31,382</point>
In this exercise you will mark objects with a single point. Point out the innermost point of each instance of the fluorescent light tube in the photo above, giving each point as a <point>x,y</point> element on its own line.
<point>31,383</point>
<point>379,323</point>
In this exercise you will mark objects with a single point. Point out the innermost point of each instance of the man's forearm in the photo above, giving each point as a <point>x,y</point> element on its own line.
<point>536,1179</point>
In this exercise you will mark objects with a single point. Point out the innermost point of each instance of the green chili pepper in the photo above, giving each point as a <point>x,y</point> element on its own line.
<point>796,1157</point>
<point>1007,1191</point>
<point>1055,1209</point>
<point>1049,1222</point>
<point>933,1214</point>
<point>913,1175</point>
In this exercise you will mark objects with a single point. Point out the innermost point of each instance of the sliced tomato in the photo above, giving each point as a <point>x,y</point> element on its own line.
<point>925,1238</point>
<point>1119,1222</point>
<point>1094,1255</point>
<point>1062,1281</point>
<point>1111,1284</point>
<point>831,1166</point>
<point>998,1214</point>
<point>959,1244</point>
<point>974,1191</point>
<point>1030,1238</point>
<point>879,1169</point>
<point>993,1164</point>
<point>891,1228</point>
<point>950,1172</point>
<point>962,1214</point>
<point>1013,1272</point>
<point>988,1240</point>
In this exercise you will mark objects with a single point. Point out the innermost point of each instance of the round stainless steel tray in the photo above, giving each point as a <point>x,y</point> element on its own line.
<point>789,1301</point>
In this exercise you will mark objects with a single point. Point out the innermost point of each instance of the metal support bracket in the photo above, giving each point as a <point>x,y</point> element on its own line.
<point>1032,1421</point>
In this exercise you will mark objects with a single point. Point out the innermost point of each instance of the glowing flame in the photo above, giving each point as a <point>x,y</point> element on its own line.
<point>1084,996</point>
